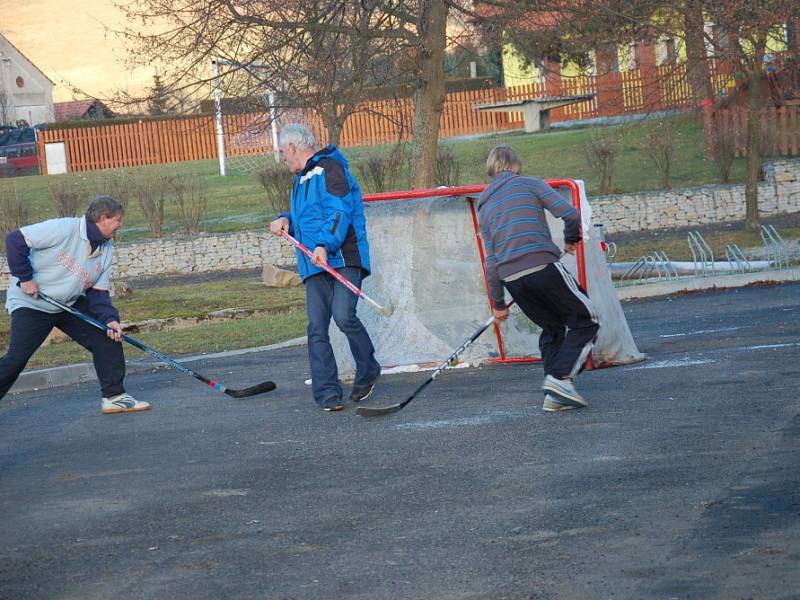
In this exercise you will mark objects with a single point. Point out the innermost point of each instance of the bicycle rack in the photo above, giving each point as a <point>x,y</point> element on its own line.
<point>669,269</point>
<point>609,248</point>
<point>611,252</point>
<point>775,246</point>
<point>657,264</point>
<point>634,268</point>
<point>699,247</point>
<point>737,259</point>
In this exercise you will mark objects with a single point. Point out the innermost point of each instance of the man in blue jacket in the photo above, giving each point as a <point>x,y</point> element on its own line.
<point>327,214</point>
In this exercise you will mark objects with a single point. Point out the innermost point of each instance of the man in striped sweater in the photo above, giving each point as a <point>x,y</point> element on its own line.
<point>521,256</point>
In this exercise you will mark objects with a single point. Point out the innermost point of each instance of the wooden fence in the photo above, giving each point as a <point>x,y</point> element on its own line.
<point>380,122</point>
<point>779,130</point>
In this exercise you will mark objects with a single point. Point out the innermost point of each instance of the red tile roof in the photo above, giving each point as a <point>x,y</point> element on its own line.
<point>76,109</point>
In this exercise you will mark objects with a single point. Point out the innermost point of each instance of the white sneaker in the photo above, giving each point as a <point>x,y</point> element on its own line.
<point>554,403</point>
<point>563,388</point>
<point>123,403</point>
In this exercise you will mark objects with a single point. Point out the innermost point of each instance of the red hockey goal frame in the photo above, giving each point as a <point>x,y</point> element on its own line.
<point>470,192</point>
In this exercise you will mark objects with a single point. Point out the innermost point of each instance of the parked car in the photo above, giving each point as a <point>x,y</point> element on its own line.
<point>18,155</point>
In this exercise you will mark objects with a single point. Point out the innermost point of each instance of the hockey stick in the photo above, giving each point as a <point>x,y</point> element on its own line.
<point>260,388</point>
<point>376,411</point>
<point>384,310</point>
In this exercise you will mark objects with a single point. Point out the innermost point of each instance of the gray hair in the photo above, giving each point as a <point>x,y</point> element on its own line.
<point>103,206</point>
<point>297,134</point>
<point>503,158</point>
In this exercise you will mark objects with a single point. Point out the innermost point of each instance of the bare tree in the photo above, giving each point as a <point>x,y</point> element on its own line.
<point>698,71</point>
<point>552,27</point>
<point>323,51</point>
<point>750,27</point>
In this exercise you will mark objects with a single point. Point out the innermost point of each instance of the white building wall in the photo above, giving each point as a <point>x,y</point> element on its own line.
<point>29,93</point>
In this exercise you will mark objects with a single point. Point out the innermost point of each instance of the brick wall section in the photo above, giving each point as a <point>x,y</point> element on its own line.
<point>778,193</point>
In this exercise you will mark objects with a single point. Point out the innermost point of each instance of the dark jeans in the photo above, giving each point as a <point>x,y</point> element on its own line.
<point>553,300</point>
<point>30,327</point>
<point>326,298</point>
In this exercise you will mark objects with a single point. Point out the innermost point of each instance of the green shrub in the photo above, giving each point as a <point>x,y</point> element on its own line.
<point>277,181</point>
<point>601,152</point>
<point>67,195</point>
<point>13,211</point>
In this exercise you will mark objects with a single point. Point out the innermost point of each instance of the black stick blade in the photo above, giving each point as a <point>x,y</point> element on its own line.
<point>377,411</point>
<point>255,390</point>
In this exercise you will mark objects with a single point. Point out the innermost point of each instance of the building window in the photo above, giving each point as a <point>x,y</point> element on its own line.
<point>721,39</point>
<point>607,59</point>
<point>629,57</point>
<point>667,51</point>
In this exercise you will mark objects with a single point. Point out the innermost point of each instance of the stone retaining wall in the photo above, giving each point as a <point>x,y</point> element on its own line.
<point>689,207</point>
<point>778,193</point>
<point>202,253</point>
<point>197,254</point>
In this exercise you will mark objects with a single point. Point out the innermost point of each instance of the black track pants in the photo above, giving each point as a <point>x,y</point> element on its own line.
<point>30,327</point>
<point>553,300</point>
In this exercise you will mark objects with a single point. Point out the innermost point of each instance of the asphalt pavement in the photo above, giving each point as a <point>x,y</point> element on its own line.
<point>680,480</point>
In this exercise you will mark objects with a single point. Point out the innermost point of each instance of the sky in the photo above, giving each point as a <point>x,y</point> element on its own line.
<point>68,41</point>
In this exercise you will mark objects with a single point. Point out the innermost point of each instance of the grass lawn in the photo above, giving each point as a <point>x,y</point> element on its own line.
<point>237,201</point>
<point>286,319</point>
<point>199,299</point>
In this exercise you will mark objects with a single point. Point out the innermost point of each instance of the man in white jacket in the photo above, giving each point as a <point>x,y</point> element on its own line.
<point>70,260</point>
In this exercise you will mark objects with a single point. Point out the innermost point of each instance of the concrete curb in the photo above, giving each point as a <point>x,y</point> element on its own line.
<point>696,284</point>
<point>51,377</point>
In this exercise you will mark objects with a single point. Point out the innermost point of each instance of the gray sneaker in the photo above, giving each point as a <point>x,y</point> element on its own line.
<point>554,403</point>
<point>123,403</point>
<point>564,389</point>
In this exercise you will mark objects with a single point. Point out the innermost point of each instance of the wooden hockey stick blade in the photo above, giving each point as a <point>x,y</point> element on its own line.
<point>387,310</point>
<point>253,390</point>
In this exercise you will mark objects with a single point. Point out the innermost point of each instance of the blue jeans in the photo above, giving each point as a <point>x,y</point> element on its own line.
<point>326,298</point>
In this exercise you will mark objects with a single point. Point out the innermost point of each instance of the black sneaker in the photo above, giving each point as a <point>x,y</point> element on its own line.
<point>362,392</point>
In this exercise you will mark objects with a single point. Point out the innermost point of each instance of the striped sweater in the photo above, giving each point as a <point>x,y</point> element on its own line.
<point>514,228</point>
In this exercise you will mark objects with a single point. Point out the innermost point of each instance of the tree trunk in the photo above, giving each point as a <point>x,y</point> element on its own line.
<point>334,131</point>
<point>753,142</point>
<point>429,93</point>
<point>697,71</point>
<point>333,117</point>
<point>792,45</point>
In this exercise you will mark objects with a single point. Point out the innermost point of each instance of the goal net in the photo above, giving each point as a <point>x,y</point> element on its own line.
<point>248,130</point>
<point>426,257</point>
<point>245,117</point>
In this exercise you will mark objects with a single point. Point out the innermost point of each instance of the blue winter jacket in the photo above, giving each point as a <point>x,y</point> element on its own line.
<point>327,210</point>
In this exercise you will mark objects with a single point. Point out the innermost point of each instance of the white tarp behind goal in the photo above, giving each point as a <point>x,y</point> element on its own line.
<point>426,261</point>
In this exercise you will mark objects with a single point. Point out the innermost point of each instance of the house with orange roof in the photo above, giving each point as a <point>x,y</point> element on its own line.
<point>88,108</point>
